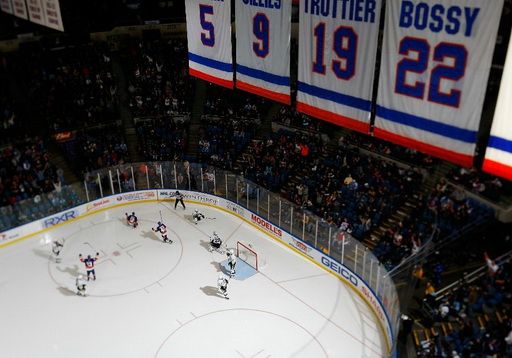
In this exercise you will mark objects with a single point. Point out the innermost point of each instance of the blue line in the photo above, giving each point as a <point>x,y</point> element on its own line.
<point>218,65</point>
<point>264,76</point>
<point>500,143</point>
<point>428,125</point>
<point>344,99</point>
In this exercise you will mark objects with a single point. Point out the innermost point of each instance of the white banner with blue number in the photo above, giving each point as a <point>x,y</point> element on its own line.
<point>436,59</point>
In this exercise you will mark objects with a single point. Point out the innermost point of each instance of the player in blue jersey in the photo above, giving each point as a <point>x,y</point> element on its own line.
<point>132,220</point>
<point>89,265</point>
<point>162,229</point>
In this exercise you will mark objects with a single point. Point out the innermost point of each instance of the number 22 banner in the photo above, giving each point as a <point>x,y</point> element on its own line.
<point>337,53</point>
<point>209,40</point>
<point>436,59</point>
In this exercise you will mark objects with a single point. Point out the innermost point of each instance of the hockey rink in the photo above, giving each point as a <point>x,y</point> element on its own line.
<point>153,299</point>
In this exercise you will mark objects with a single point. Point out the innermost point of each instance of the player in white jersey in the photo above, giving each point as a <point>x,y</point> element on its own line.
<point>80,286</point>
<point>132,220</point>
<point>231,262</point>
<point>222,284</point>
<point>56,249</point>
<point>215,242</point>
<point>162,229</point>
<point>197,216</point>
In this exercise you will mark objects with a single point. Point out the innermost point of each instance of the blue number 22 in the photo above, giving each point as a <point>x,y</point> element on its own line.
<point>418,64</point>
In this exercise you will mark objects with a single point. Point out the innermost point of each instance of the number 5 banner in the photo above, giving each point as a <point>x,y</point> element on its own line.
<point>436,59</point>
<point>263,32</point>
<point>209,41</point>
<point>337,52</point>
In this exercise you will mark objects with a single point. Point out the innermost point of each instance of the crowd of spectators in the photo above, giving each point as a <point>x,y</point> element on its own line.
<point>397,152</point>
<point>69,88</point>
<point>485,185</point>
<point>99,147</point>
<point>158,79</point>
<point>463,309</point>
<point>162,139</point>
<point>31,186</point>
<point>290,117</point>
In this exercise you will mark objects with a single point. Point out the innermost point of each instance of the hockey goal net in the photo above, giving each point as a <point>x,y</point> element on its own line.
<point>249,254</point>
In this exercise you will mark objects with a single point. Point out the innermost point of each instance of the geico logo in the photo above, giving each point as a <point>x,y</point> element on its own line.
<point>339,269</point>
<point>59,218</point>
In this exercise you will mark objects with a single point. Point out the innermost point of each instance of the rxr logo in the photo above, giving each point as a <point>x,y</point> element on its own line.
<point>60,218</point>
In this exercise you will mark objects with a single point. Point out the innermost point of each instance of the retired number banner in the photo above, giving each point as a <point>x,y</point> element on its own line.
<point>209,40</point>
<point>337,53</point>
<point>6,6</point>
<point>20,9</point>
<point>436,59</point>
<point>36,12</point>
<point>498,156</point>
<point>263,32</point>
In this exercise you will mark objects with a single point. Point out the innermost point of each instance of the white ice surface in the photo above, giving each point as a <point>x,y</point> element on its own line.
<point>153,299</point>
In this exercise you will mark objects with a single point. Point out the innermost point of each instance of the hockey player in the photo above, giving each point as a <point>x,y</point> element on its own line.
<point>89,265</point>
<point>222,284</point>
<point>162,229</point>
<point>56,249</point>
<point>80,286</point>
<point>197,216</point>
<point>215,242</point>
<point>179,199</point>
<point>231,262</point>
<point>132,220</point>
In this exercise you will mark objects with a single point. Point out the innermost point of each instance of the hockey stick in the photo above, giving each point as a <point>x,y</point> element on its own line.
<point>87,243</point>
<point>210,218</point>
<point>160,211</point>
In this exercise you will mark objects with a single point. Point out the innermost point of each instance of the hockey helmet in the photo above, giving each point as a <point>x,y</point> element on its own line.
<point>133,213</point>
<point>159,223</point>
<point>88,256</point>
<point>215,233</point>
<point>177,192</point>
<point>80,277</point>
<point>231,251</point>
<point>196,211</point>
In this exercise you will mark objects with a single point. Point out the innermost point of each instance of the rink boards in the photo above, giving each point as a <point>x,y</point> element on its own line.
<point>308,252</point>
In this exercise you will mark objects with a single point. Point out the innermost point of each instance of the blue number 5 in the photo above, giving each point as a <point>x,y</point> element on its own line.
<point>208,39</point>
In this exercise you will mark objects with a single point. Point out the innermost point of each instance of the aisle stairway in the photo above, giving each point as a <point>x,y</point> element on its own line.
<point>124,112</point>
<point>373,237</point>
<point>195,118</point>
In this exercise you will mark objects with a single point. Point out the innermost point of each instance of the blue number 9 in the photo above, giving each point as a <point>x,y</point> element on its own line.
<point>261,30</point>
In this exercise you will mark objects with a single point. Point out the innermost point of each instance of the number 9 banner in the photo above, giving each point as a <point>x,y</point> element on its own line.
<point>263,32</point>
<point>436,59</point>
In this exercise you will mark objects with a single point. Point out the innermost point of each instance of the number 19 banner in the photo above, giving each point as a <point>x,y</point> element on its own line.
<point>337,53</point>
<point>209,40</point>
<point>436,59</point>
<point>263,31</point>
